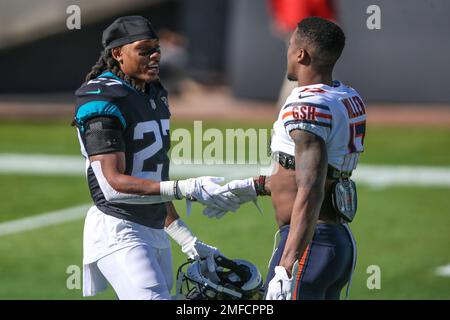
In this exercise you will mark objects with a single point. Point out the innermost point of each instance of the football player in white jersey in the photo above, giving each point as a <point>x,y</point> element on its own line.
<point>318,137</point>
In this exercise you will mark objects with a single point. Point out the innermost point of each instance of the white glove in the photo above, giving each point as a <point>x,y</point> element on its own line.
<point>280,287</point>
<point>198,250</point>
<point>190,245</point>
<point>236,191</point>
<point>198,189</point>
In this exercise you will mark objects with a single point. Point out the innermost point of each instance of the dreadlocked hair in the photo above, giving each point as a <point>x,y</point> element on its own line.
<point>106,62</point>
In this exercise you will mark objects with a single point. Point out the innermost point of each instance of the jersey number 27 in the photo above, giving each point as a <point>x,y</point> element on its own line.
<point>148,152</point>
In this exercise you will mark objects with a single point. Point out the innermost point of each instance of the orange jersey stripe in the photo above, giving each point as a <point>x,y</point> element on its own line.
<point>317,114</point>
<point>313,90</point>
<point>301,269</point>
<point>287,114</point>
<point>324,115</point>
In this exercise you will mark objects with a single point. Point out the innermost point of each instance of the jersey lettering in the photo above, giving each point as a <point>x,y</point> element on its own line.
<point>148,152</point>
<point>305,113</point>
<point>109,82</point>
<point>355,107</point>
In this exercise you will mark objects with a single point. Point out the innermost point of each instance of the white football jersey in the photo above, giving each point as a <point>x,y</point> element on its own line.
<point>337,114</point>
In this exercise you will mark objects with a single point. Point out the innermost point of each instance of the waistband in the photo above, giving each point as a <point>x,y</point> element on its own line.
<point>324,232</point>
<point>288,162</point>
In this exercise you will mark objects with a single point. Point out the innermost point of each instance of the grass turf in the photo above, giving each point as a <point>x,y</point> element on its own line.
<point>384,145</point>
<point>27,195</point>
<point>403,230</point>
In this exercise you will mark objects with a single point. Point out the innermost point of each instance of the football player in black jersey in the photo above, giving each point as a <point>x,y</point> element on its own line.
<point>122,118</point>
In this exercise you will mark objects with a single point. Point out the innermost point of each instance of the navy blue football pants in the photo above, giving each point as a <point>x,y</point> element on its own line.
<point>326,265</point>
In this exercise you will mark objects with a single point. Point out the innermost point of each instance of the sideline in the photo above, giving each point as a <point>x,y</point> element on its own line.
<point>43,220</point>
<point>370,175</point>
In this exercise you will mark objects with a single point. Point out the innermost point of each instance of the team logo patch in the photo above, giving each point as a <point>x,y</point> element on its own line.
<point>98,91</point>
<point>153,104</point>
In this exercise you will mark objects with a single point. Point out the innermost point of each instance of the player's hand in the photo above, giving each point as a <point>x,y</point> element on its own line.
<point>201,190</point>
<point>190,245</point>
<point>198,250</point>
<point>236,191</point>
<point>280,287</point>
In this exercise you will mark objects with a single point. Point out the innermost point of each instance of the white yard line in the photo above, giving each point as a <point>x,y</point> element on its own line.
<point>371,175</point>
<point>38,164</point>
<point>43,220</point>
<point>402,175</point>
<point>443,271</point>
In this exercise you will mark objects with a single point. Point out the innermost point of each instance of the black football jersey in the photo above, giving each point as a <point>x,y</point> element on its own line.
<point>145,122</point>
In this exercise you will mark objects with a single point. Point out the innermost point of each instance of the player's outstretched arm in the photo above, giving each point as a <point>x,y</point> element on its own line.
<point>240,191</point>
<point>118,187</point>
<point>190,244</point>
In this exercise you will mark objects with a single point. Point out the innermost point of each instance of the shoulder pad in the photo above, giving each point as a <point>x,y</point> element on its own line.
<point>97,108</point>
<point>98,97</point>
<point>103,88</point>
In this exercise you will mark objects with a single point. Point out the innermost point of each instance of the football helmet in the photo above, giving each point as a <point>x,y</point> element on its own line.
<point>235,279</point>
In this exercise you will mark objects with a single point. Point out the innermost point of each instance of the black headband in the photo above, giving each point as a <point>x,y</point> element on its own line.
<point>126,30</point>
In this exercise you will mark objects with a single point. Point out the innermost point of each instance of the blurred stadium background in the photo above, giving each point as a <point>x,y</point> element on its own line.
<point>223,63</point>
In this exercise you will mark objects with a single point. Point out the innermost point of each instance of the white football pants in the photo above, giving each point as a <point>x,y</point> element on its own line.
<point>139,273</point>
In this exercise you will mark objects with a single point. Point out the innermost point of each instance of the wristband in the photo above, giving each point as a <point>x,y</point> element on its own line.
<point>180,232</point>
<point>260,186</point>
<point>169,190</point>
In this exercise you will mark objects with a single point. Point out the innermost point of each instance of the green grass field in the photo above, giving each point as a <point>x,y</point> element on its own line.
<point>403,230</point>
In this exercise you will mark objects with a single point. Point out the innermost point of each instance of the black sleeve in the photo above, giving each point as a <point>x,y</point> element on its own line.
<point>103,135</point>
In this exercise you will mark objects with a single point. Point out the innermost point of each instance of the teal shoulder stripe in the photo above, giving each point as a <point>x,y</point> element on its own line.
<point>98,108</point>
<point>109,74</point>
<point>112,75</point>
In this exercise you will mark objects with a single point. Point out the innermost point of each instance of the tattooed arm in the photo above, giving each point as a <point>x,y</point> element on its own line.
<point>311,168</point>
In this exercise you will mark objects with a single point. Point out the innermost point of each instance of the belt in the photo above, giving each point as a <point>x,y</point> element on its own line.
<point>288,162</point>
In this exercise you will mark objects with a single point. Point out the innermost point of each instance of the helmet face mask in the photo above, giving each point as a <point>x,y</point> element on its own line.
<point>232,280</point>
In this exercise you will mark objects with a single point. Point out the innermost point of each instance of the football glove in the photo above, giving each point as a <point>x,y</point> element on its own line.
<point>281,286</point>
<point>198,189</point>
<point>198,250</point>
<point>190,245</point>
<point>236,192</point>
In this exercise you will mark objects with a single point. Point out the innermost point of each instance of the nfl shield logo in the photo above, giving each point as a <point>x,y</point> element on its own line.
<point>153,104</point>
